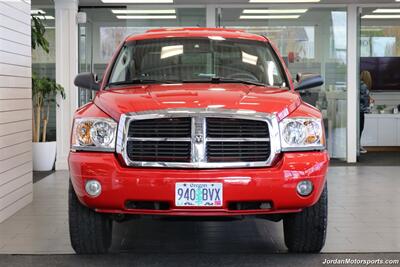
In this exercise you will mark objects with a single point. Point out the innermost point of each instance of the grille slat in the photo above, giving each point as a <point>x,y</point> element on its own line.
<point>255,153</point>
<point>243,150</point>
<point>233,145</point>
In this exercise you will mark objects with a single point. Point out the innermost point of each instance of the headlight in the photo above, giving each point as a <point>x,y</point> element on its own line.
<point>302,134</point>
<point>96,134</point>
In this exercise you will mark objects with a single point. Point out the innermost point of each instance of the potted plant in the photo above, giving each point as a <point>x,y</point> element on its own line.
<point>381,108</point>
<point>37,34</point>
<point>44,92</point>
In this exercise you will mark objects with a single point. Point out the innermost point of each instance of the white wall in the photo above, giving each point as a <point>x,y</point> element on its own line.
<point>15,107</point>
<point>390,99</point>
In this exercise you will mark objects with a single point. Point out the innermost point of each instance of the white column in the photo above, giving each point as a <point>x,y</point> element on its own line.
<point>66,70</point>
<point>353,82</point>
<point>210,16</point>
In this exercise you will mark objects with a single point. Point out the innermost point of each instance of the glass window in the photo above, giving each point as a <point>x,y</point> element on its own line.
<point>44,64</point>
<point>298,40</point>
<point>379,41</point>
<point>107,27</point>
<point>197,59</point>
<point>380,55</point>
<point>314,41</point>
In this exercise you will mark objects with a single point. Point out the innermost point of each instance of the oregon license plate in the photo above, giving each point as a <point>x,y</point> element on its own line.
<point>198,194</point>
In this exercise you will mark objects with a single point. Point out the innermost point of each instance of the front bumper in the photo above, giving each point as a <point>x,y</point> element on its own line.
<point>276,185</point>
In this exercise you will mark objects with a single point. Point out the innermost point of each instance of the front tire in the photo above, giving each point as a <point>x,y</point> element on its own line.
<point>305,232</point>
<point>90,232</point>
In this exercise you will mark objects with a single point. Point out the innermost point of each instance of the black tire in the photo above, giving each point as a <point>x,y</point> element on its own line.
<point>90,232</point>
<point>305,232</point>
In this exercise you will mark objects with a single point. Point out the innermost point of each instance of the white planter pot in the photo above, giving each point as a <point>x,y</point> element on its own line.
<point>44,156</point>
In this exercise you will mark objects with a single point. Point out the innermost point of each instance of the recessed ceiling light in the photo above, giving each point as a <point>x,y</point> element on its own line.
<point>137,1</point>
<point>37,11</point>
<point>44,17</point>
<point>381,17</point>
<point>385,10</point>
<point>270,17</point>
<point>284,1</point>
<point>274,11</point>
<point>146,17</point>
<point>143,11</point>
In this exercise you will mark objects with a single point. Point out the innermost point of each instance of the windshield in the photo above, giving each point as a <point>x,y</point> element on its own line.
<point>197,60</point>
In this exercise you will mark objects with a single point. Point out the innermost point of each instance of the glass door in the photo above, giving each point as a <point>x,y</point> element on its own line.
<point>379,68</point>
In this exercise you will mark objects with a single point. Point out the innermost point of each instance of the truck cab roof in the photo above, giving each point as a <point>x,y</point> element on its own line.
<point>197,32</point>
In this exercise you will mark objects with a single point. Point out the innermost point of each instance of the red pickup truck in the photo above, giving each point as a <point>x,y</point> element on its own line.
<point>197,122</point>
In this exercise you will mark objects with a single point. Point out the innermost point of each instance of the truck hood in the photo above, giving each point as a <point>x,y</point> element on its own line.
<point>197,95</point>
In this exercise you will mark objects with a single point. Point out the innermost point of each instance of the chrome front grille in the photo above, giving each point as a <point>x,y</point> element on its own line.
<point>198,138</point>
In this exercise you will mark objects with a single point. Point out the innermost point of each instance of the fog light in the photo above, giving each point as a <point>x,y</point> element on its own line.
<point>93,188</point>
<point>304,188</point>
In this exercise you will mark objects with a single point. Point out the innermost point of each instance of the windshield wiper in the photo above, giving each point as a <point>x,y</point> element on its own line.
<point>225,80</point>
<point>233,80</point>
<point>213,80</point>
<point>140,81</point>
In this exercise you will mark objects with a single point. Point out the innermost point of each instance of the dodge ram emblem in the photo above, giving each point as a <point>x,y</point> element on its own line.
<point>198,138</point>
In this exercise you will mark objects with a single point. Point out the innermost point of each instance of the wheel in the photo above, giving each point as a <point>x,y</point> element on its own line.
<point>90,232</point>
<point>305,231</point>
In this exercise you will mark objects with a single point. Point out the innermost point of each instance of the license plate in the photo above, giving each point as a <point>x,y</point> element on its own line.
<point>198,194</point>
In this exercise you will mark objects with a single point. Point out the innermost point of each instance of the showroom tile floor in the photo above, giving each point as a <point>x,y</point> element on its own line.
<point>364,216</point>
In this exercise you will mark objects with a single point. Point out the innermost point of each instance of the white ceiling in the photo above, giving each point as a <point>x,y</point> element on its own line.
<point>223,2</point>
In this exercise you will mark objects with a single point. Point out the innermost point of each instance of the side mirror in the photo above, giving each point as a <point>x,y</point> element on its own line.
<point>87,80</point>
<point>307,81</point>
